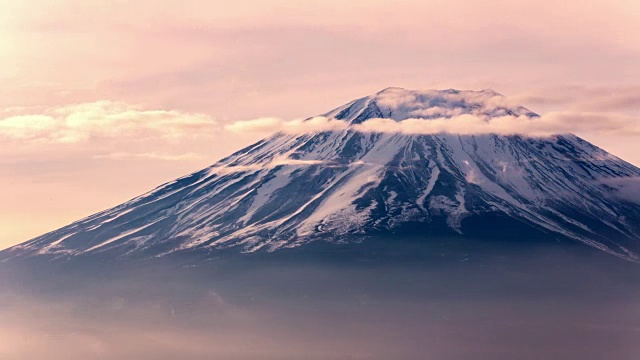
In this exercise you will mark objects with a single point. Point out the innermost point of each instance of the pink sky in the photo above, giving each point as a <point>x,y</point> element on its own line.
<point>147,88</point>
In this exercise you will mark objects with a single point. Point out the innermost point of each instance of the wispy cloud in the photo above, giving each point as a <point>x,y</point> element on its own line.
<point>102,119</point>
<point>548,124</point>
<point>264,124</point>
<point>626,188</point>
<point>270,124</point>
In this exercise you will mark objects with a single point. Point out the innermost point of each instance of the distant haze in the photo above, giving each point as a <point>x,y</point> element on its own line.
<point>455,303</point>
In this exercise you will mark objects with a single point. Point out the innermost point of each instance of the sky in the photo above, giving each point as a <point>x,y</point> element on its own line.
<point>101,100</point>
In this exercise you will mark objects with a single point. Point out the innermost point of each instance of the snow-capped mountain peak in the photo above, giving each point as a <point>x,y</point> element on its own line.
<point>340,186</point>
<point>401,104</point>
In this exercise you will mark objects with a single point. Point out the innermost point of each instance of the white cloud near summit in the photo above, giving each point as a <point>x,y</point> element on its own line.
<point>456,112</point>
<point>546,125</point>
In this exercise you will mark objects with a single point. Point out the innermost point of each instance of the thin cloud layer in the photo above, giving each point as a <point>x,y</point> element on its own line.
<point>549,124</point>
<point>296,126</point>
<point>102,119</point>
<point>265,124</point>
<point>546,125</point>
<point>626,188</point>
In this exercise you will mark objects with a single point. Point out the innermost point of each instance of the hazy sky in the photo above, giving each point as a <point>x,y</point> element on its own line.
<point>100,100</point>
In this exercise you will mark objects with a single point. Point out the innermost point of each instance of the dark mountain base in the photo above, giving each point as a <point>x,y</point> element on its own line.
<point>394,297</point>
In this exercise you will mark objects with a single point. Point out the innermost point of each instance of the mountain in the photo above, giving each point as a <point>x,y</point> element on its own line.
<point>345,186</point>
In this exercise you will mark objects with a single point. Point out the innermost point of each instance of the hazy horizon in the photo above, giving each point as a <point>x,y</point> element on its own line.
<point>473,302</point>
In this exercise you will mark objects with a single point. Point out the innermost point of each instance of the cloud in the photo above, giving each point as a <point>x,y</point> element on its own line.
<point>549,124</point>
<point>626,188</point>
<point>102,119</point>
<point>314,124</point>
<point>297,126</point>
<point>265,124</point>
<point>441,103</point>
<point>27,126</point>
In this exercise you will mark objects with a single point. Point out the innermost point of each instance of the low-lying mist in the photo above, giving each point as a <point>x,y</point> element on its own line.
<point>526,303</point>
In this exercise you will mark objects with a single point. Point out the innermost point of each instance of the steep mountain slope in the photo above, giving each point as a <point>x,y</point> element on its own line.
<point>343,185</point>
